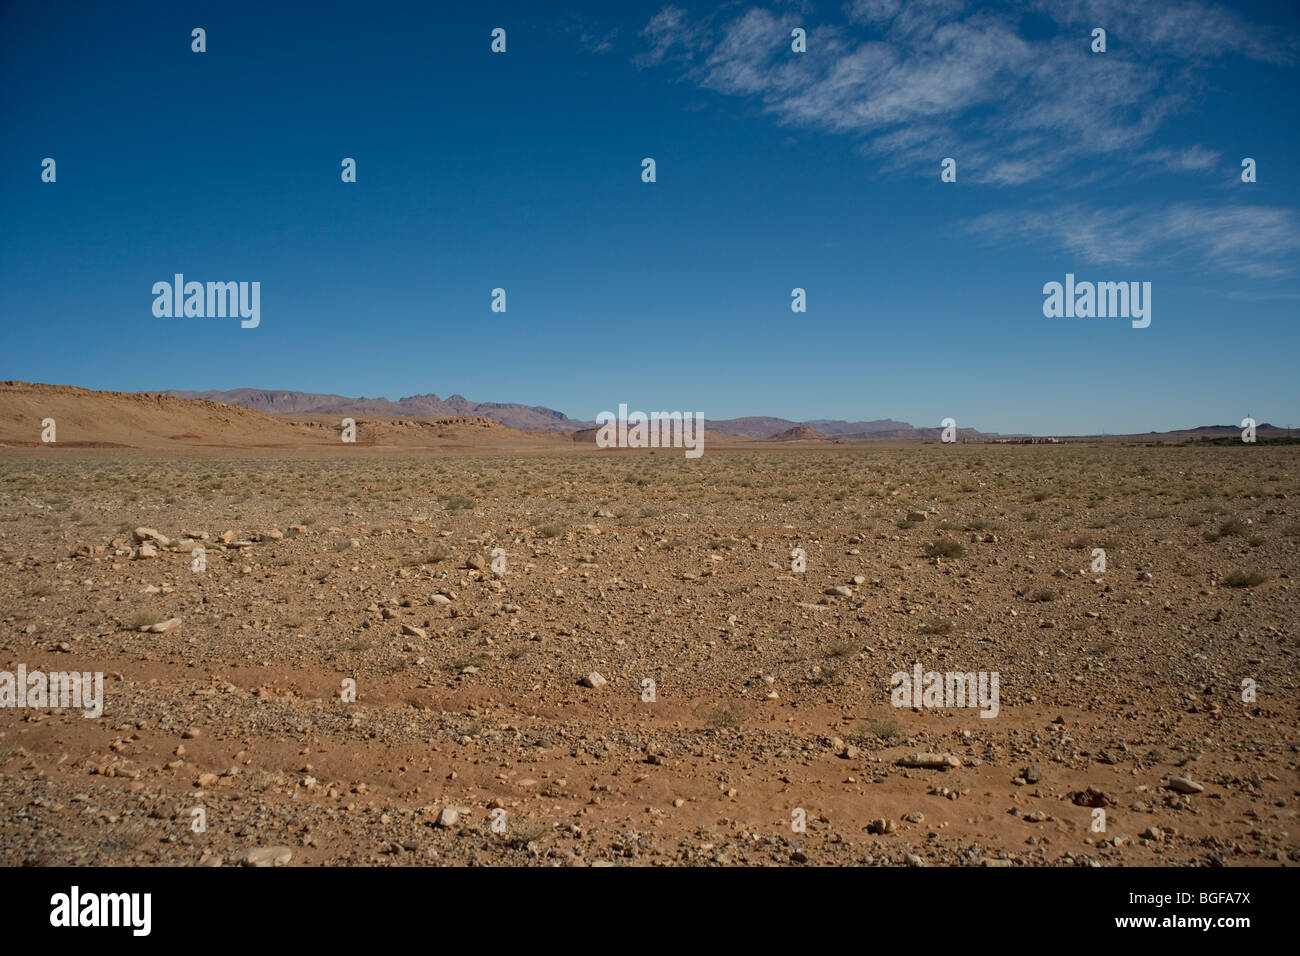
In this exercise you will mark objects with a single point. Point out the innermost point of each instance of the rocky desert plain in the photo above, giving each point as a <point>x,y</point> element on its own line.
<point>570,656</point>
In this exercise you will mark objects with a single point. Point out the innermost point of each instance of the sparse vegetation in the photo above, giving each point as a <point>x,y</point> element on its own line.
<point>945,548</point>
<point>1245,579</point>
<point>144,618</point>
<point>726,717</point>
<point>463,671</point>
<point>1229,528</point>
<point>884,728</point>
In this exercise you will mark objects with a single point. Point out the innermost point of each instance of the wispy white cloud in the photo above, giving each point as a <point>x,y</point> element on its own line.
<point>1181,160</point>
<point>590,35</point>
<point>1193,29</point>
<point>599,42</point>
<point>1256,241</point>
<point>925,79</point>
<point>673,35</point>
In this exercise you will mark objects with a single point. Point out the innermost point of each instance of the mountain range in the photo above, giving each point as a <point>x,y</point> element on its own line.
<point>278,402</point>
<point>522,417</point>
<point>537,418</point>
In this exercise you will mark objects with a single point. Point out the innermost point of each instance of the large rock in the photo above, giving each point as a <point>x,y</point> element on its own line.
<point>930,761</point>
<point>1184,785</point>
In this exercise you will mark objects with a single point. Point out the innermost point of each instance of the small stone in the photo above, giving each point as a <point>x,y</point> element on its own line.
<point>839,590</point>
<point>1183,785</point>
<point>448,817</point>
<point>1092,797</point>
<point>266,856</point>
<point>410,630</point>
<point>594,680</point>
<point>930,761</point>
<point>163,627</point>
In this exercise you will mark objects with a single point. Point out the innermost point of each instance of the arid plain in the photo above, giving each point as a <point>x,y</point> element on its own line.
<point>468,582</point>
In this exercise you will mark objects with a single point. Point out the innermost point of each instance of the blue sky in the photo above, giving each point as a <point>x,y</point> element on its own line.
<point>775,170</point>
